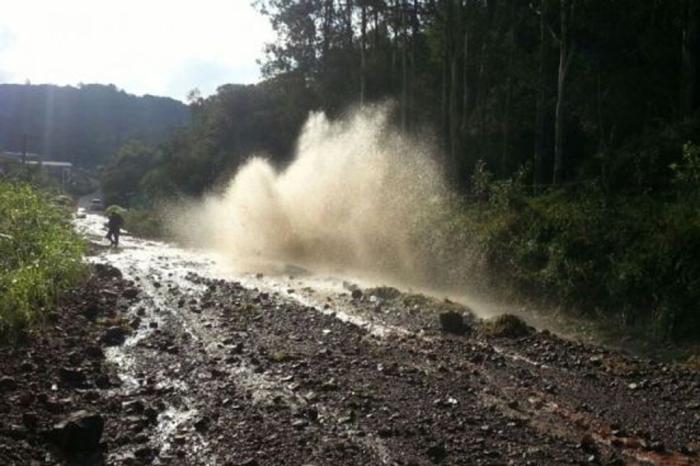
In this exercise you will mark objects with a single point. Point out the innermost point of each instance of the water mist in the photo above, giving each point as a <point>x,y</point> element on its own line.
<point>356,199</point>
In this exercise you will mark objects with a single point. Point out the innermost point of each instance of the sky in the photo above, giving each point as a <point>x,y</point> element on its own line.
<point>159,47</point>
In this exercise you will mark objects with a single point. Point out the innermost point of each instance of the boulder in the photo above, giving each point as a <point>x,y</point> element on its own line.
<point>508,326</point>
<point>72,377</point>
<point>134,407</point>
<point>113,336</point>
<point>103,382</point>
<point>94,352</point>
<point>147,454</point>
<point>80,431</point>
<point>436,453</point>
<point>202,425</point>
<point>453,322</point>
<point>7,384</point>
<point>30,420</point>
<point>384,292</point>
<point>107,271</point>
<point>91,311</point>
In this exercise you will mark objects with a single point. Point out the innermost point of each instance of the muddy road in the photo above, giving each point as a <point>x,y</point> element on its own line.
<point>251,369</point>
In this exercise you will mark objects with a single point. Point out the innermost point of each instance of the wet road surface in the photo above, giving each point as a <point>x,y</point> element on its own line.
<point>255,369</point>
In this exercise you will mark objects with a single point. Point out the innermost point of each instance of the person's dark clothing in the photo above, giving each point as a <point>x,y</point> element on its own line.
<point>114,225</point>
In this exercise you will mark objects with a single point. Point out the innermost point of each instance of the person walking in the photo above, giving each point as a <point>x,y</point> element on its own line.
<point>114,224</point>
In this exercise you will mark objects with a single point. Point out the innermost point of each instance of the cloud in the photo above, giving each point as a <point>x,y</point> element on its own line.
<point>155,47</point>
<point>6,40</point>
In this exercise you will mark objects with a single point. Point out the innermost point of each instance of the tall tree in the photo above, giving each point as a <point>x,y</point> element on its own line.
<point>690,45</point>
<point>455,80</point>
<point>363,52</point>
<point>404,64</point>
<point>480,72</point>
<point>540,110</point>
<point>566,11</point>
<point>466,91</point>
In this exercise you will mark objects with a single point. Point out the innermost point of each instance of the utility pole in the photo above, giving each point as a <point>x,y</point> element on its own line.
<point>24,148</point>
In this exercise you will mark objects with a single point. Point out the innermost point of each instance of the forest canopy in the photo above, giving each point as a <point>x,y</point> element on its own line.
<point>578,89</point>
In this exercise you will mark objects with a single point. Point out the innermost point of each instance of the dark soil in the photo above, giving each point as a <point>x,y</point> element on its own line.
<point>59,370</point>
<point>215,373</point>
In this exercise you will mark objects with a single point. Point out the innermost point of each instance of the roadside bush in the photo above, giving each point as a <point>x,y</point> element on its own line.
<point>627,259</point>
<point>30,174</point>
<point>40,255</point>
<point>146,223</point>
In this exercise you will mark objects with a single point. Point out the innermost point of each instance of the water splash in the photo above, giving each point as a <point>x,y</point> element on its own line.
<point>354,199</point>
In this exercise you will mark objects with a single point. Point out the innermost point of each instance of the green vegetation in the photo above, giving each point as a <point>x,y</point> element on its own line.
<point>226,129</point>
<point>146,223</point>
<point>122,177</point>
<point>579,89</point>
<point>40,255</point>
<point>629,259</point>
<point>80,183</point>
<point>31,174</point>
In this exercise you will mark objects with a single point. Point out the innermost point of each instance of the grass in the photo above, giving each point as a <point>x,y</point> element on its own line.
<point>40,256</point>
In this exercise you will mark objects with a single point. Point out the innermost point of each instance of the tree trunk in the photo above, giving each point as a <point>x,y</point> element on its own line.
<point>505,148</point>
<point>444,98</point>
<point>394,43</point>
<point>363,54</point>
<point>466,111</point>
<point>375,18</point>
<point>349,33</point>
<point>404,68</point>
<point>541,100</point>
<point>445,11</point>
<point>510,44</point>
<point>690,45</point>
<point>479,85</point>
<point>455,85</point>
<point>564,61</point>
<point>415,30</point>
<point>327,22</point>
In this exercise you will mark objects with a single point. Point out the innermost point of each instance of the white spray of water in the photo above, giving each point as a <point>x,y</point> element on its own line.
<point>358,200</point>
<point>354,199</point>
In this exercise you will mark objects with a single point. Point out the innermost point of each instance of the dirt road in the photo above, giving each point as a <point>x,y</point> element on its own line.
<point>265,370</point>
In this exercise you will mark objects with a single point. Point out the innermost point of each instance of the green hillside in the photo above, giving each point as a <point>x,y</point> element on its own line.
<point>84,124</point>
